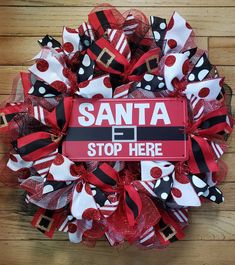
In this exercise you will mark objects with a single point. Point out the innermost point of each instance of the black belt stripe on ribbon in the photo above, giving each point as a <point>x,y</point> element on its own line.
<point>103,20</point>
<point>103,177</point>
<point>212,121</point>
<point>95,49</point>
<point>32,146</point>
<point>60,115</point>
<point>143,134</point>
<point>132,205</point>
<point>143,68</point>
<point>199,156</point>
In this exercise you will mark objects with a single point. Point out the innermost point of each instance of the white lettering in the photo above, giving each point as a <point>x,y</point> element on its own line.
<point>105,113</point>
<point>160,113</point>
<point>124,114</point>
<point>91,151</point>
<point>104,149</point>
<point>133,149</point>
<point>142,107</point>
<point>87,119</point>
<point>145,149</point>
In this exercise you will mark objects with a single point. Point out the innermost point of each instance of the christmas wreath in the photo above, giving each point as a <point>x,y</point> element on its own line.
<point>118,56</point>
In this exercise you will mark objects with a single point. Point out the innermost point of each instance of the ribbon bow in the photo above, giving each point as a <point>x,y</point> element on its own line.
<point>108,180</point>
<point>101,189</point>
<point>39,144</point>
<point>176,68</point>
<point>201,134</point>
<point>110,60</point>
<point>160,179</point>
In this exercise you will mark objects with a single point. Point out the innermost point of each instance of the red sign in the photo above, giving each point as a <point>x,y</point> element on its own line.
<point>127,129</point>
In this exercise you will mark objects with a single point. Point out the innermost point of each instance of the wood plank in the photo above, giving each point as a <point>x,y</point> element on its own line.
<point>229,73</point>
<point>34,21</point>
<point>222,51</point>
<point>12,200</point>
<point>7,74</point>
<point>210,237</point>
<point>23,49</point>
<point>60,253</point>
<point>128,3</point>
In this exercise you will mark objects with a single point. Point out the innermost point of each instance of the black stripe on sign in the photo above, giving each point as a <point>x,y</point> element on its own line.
<point>104,177</point>
<point>143,133</point>
<point>199,157</point>
<point>132,205</point>
<point>31,147</point>
<point>89,134</point>
<point>103,19</point>
<point>213,121</point>
<point>60,115</point>
<point>161,133</point>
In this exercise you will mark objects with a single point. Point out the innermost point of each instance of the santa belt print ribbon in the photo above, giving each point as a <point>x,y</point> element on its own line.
<point>126,133</point>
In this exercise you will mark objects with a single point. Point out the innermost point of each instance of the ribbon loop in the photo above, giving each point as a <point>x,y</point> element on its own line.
<point>39,144</point>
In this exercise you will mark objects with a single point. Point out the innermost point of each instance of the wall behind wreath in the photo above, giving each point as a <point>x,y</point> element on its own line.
<point>211,237</point>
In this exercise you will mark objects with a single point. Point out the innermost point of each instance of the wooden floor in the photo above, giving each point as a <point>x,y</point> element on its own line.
<point>211,236</point>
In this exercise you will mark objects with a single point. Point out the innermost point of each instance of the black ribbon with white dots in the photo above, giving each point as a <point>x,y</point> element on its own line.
<point>159,29</point>
<point>201,69</point>
<point>41,89</point>
<point>50,42</point>
<point>154,83</point>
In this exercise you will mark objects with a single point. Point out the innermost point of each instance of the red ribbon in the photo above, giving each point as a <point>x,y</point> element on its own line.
<point>39,144</point>
<point>108,180</point>
<point>110,60</point>
<point>210,126</point>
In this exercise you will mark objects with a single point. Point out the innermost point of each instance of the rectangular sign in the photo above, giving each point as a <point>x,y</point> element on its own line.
<point>127,129</point>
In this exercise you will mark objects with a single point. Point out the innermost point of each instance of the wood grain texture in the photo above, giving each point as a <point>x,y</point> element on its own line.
<point>60,253</point>
<point>222,51</point>
<point>128,3</point>
<point>210,239</point>
<point>36,21</point>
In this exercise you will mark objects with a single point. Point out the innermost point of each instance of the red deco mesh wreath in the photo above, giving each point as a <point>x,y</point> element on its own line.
<point>117,56</point>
